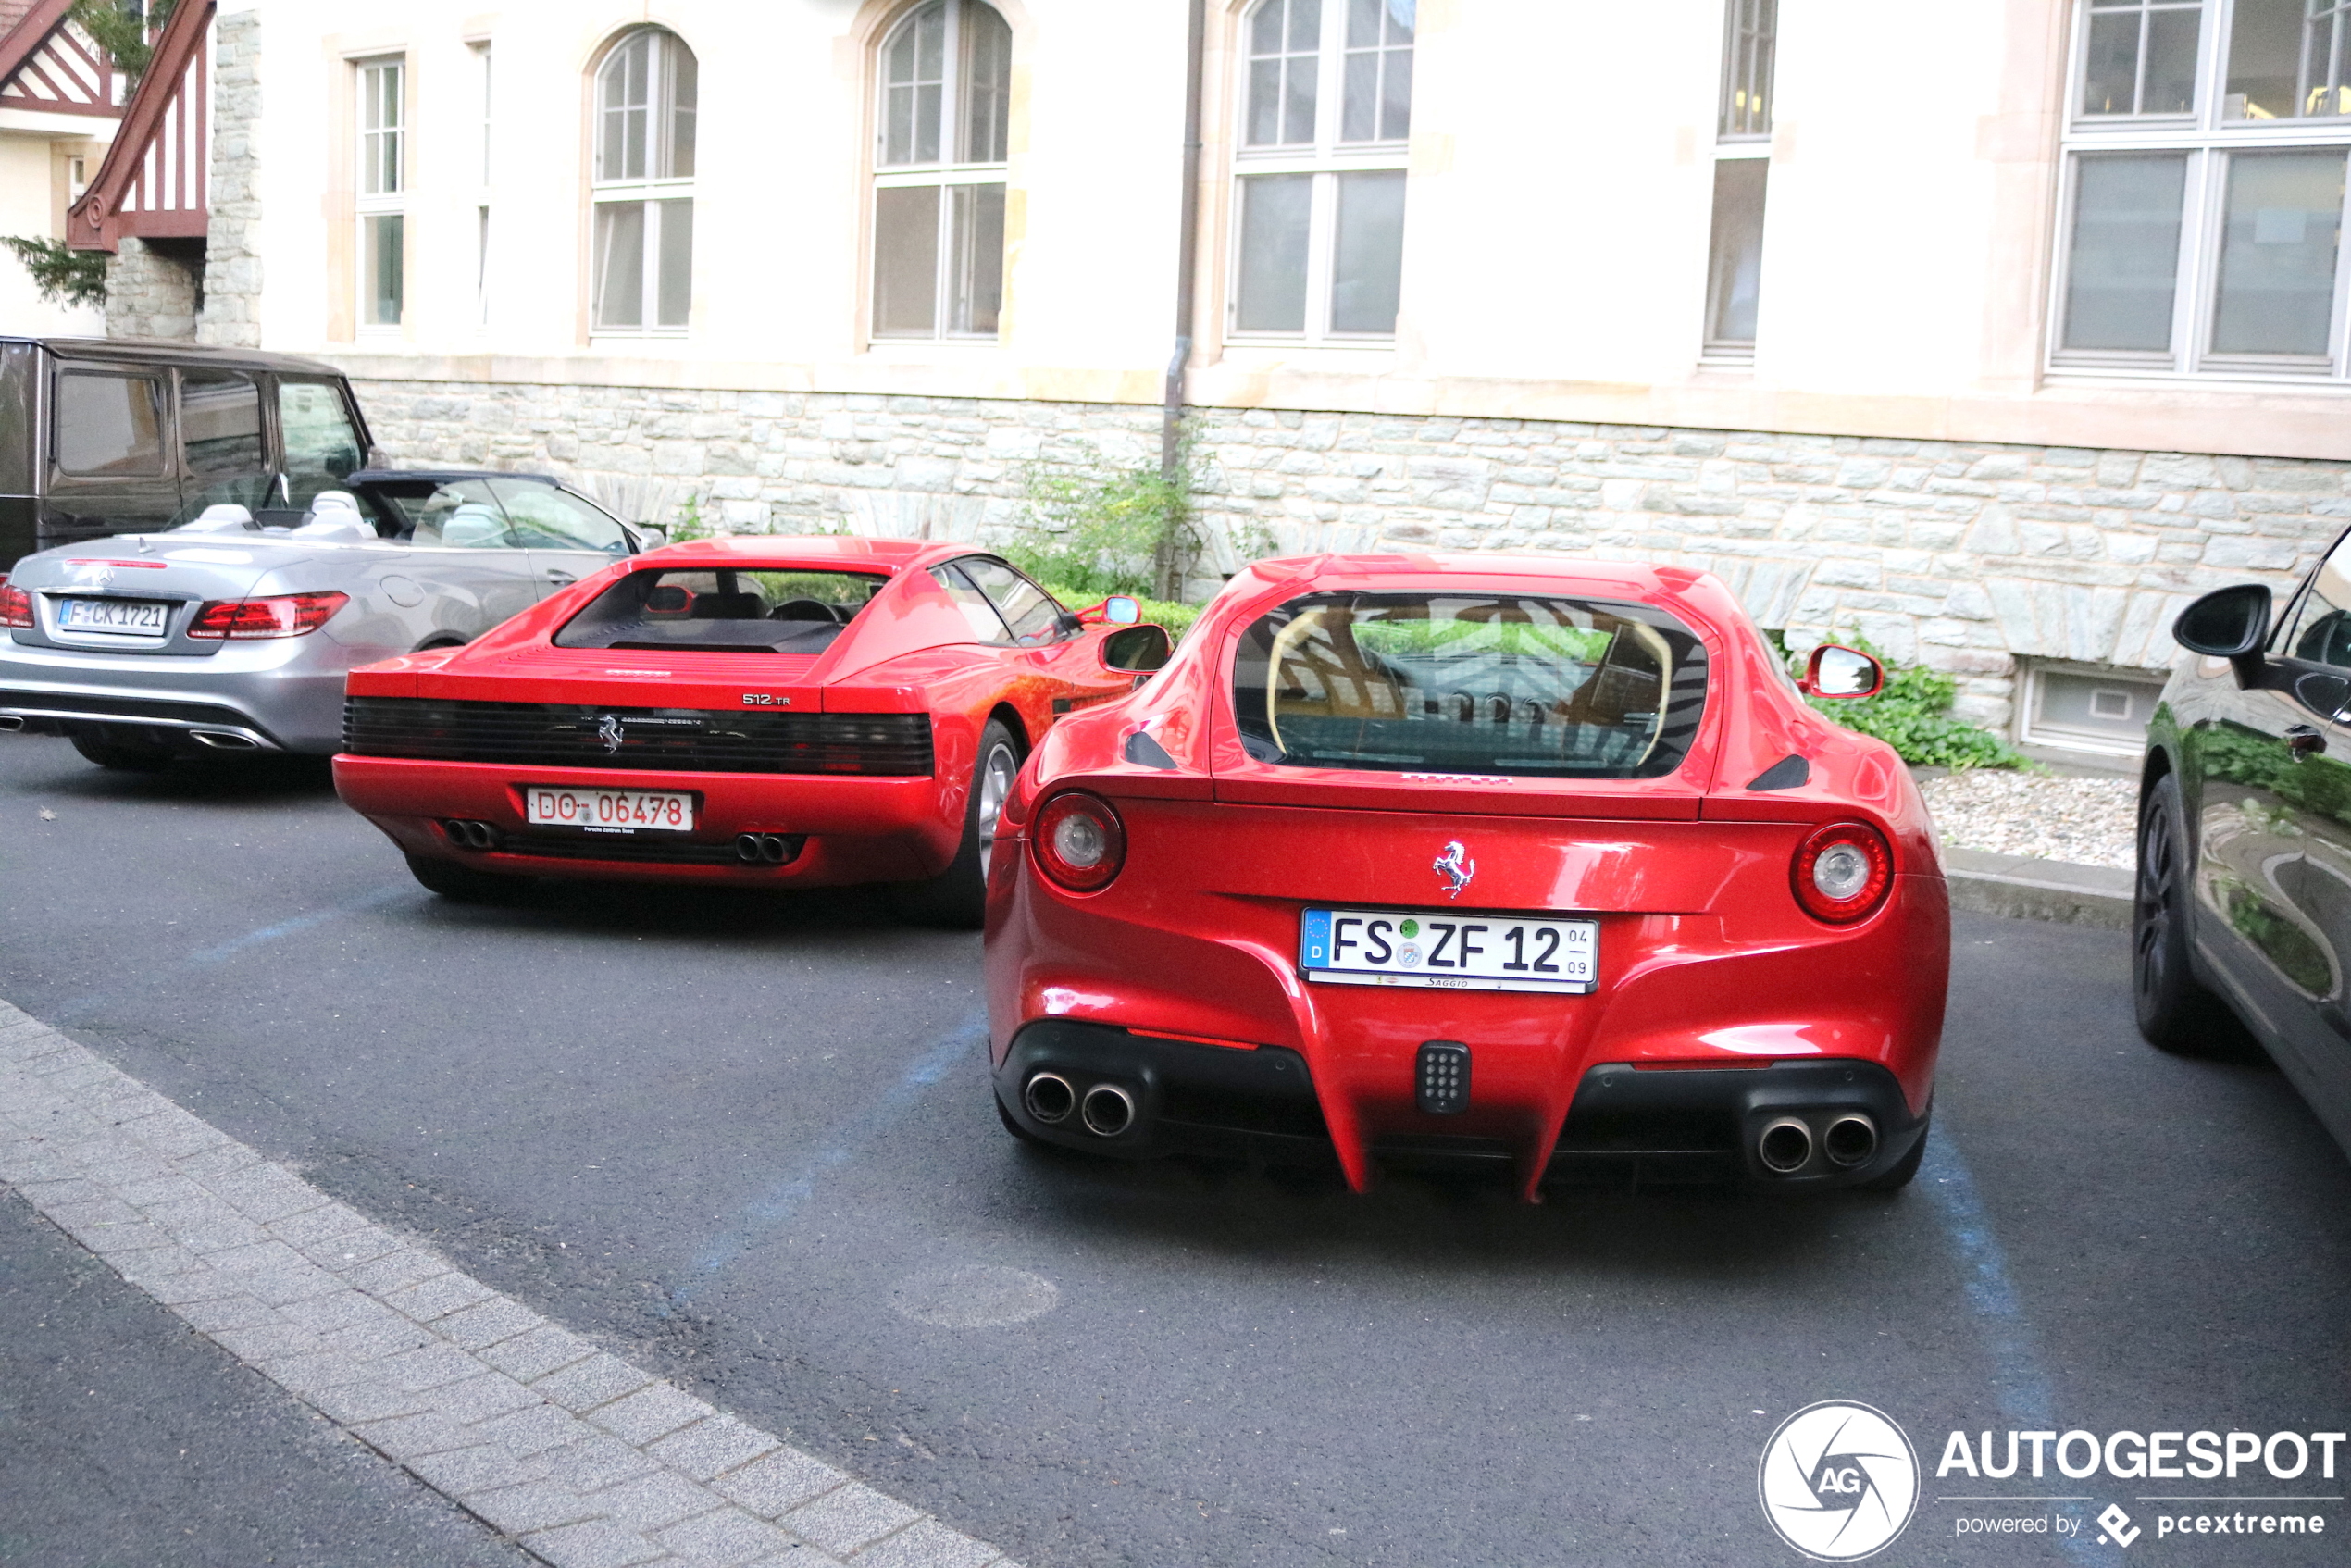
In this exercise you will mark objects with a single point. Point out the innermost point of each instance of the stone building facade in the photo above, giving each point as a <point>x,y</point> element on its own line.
<point>1968,556</point>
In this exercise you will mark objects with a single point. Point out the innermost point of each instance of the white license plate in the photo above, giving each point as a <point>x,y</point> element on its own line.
<point>118,617</point>
<point>609,810</point>
<point>1459,949</point>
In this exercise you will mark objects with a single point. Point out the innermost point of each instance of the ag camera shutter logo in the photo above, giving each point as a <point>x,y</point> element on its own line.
<point>1839,1481</point>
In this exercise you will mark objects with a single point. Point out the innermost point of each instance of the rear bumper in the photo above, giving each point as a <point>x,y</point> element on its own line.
<point>1624,1120</point>
<point>840,830</point>
<point>273,696</point>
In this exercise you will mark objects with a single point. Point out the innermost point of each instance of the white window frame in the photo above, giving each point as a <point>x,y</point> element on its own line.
<point>483,66</point>
<point>1326,158</point>
<point>948,170</point>
<point>381,179</point>
<point>1741,145</point>
<point>2208,142</point>
<point>2034,671</point>
<point>650,191</point>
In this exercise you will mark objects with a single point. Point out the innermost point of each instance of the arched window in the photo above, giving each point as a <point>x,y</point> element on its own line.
<point>945,78</point>
<point>1326,111</point>
<point>644,184</point>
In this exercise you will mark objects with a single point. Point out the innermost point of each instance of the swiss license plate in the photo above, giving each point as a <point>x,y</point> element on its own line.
<point>118,617</point>
<point>1460,949</point>
<point>609,810</point>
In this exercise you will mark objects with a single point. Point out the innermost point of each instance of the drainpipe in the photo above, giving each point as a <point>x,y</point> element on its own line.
<point>1171,425</point>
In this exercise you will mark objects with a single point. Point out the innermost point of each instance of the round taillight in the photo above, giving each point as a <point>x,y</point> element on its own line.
<point>1842,871</point>
<point>1078,842</point>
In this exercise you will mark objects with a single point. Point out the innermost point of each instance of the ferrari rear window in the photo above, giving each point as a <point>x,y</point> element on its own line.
<point>1472,683</point>
<point>735,610</point>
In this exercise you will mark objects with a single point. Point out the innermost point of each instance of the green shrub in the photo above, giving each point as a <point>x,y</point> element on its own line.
<point>1912,714</point>
<point>1095,531</point>
<point>64,276</point>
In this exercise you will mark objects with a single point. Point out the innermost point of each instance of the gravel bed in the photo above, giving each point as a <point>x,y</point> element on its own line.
<point>2085,821</point>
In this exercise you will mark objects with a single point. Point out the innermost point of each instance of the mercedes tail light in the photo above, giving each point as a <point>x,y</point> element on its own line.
<point>1079,841</point>
<point>1843,871</point>
<point>255,620</point>
<point>15,606</point>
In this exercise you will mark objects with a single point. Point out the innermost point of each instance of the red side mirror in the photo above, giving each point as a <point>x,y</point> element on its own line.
<point>1837,671</point>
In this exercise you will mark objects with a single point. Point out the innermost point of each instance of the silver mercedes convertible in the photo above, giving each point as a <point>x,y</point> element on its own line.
<point>230,635</point>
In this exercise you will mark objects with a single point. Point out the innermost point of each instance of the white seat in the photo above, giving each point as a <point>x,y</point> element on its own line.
<point>225,517</point>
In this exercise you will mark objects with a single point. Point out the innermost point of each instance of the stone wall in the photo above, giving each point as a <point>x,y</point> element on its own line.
<point>232,264</point>
<point>151,293</point>
<point>1964,555</point>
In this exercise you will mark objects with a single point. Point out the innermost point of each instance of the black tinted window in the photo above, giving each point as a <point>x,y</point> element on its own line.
<point>321,447</point>
<point>1470,683</point>
<point>734,611</point>
<point>1026,607</point>
<point>220,422</point>
<point>109,425</point>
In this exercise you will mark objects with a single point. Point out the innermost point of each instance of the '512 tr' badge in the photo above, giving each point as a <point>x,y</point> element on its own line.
<point>765,700</point>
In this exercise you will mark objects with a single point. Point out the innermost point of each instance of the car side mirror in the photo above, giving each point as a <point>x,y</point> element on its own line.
<point>655,534</point>
<point>1119,609</point>
<point>2231,624</point>
<point>1837,671</point>
<point>1136,648</point>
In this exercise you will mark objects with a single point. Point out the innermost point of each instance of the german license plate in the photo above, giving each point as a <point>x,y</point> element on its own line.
<point>1460,949</point>
<point>118,618</point>
<point>609,810</point>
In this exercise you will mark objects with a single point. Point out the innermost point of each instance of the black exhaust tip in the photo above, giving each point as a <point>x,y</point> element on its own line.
<point>1108,1110</point>
<point>1851,1141</point>
<point>1049,1098</point>
<point>1785,1147</point>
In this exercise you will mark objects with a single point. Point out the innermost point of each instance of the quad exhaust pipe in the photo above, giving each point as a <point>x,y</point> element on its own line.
<point>1049,1098</point>
<point>11,723</point>
<point>471,834</point>
<point>1786,1144</point>
<point>765,849</point>
<point>1106,1110</point>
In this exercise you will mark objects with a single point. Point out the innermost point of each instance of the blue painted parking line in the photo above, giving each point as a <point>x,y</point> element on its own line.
<point>775,1208</point>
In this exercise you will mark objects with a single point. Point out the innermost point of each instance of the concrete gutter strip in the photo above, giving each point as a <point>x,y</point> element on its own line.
<point>2022,888</point>
<point>572,1453</point>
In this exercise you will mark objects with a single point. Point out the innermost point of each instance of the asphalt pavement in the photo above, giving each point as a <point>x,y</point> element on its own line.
<point>748,1144</point>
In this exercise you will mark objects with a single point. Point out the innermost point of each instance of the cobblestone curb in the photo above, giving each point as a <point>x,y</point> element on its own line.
<point>581,1458</point>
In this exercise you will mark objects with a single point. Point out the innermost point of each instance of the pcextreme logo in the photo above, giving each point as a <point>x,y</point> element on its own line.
<point>1839,1481</point>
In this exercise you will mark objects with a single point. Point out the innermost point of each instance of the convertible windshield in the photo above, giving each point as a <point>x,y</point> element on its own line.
<point>730,611</point>
<point>1475,683</point>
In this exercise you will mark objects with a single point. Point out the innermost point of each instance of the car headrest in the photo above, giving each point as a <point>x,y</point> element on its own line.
<point>336,528</point>
<point>729,607</point>
<point>669,600</point>
<point>331,501</point>
<point>225,517</point>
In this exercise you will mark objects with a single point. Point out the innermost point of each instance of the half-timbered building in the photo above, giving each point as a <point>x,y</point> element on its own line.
<point>59,99</point>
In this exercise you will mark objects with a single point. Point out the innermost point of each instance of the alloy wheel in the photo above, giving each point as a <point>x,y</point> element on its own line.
<point>996,776</point>
<point>2157,887</point>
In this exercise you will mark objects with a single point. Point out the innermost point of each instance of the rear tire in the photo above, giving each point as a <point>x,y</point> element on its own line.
<point>125,756</point>
<point>2176,1012</point>
<point>459,884</point>
<point>957,897</point>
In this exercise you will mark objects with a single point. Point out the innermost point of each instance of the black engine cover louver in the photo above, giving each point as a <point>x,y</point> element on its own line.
<point>683,739</point>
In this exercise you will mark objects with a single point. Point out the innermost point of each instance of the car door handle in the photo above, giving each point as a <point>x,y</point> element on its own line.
<point>559,577</point>
<point>2304,740</point>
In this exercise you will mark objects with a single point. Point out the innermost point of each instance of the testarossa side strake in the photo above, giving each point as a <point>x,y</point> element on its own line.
<point>1536,863</point>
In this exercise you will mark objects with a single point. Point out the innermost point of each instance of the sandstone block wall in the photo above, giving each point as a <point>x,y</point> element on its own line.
<point>1966,557</point>
<point>233,267</point>
<point>150,294</point>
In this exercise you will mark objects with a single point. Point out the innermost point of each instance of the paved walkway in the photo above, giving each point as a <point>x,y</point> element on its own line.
<point>566,1451</point>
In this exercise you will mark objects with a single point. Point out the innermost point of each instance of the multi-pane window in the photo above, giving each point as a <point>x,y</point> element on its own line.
<point>383,186</point>
<point>644,184</point>
<point>1326,114</point>
<point>1742,174</point>
<point>2205,185</point>
<point>481,227</point>
<point>945,98</point>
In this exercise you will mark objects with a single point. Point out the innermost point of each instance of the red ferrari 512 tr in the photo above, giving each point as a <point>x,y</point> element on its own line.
<point>756,712</point>
<point>1439,858</point>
